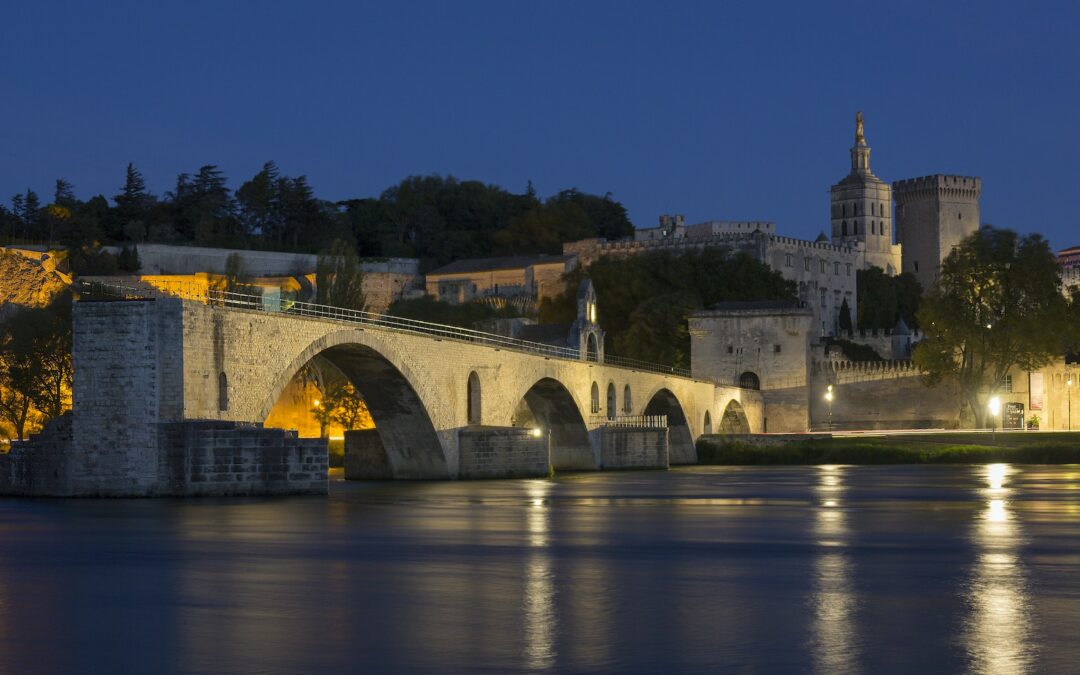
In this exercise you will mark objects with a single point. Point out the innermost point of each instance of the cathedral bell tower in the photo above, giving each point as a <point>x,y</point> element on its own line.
<point>862,209</point>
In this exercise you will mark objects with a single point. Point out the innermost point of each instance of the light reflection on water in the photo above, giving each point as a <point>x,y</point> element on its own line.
<point>833,629</point>
<point>540,620</point>
<point>789,569</point>
<point>998,632</point>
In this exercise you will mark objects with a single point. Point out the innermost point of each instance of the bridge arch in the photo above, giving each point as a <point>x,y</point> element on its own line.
<point>734,420</point>
<point>549,406</point>
<point>387,385</point>
<point>680,437</point>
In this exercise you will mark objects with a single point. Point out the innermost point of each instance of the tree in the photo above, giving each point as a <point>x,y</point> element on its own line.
<point>347,407</point>
<point>35,362</point>
<point>259,204</point>
<point>339,280</point>
<point>997,306</point>
<point>845,317</point>
<point>133,206</point>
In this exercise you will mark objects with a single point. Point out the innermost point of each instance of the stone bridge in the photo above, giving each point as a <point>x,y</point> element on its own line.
<point>142,365</point>
<point>181,360</point>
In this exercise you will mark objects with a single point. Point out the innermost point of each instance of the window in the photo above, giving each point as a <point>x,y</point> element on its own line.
<point>776,349</point>
<point>916,265</point>
<point>1008,384</point>
<point>849,269</point>
<point>836,268</point>
<point>611,405</point>
<point>472,401</point>
<point>823,267</point>
<point>843,228</point>
<point>595,403</point>
<point>627,402</point>
<point>730,349</point>
<point>806,263</point>
<point>823,296</point>
<point>707,426</point>
<point>788,258</point>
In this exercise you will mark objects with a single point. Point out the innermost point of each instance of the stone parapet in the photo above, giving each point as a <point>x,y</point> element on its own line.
<point>633,448</point>
<point>502,452</point>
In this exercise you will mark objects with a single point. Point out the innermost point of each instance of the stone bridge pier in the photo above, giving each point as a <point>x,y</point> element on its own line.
<point>147,372</point>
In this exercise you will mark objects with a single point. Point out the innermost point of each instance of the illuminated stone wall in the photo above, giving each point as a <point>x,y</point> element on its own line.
<point>502,452</point>
<point>631,448</point>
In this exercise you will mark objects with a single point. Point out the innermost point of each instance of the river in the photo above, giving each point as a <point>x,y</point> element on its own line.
<point>699,569</point>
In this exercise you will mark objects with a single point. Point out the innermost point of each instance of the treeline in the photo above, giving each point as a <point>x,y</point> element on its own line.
<point>646,299</point>
<point>434,218</point>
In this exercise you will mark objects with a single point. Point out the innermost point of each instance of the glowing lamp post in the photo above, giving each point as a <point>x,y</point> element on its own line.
<point>829,398</point>
<point>1068,390</point>
<point>994,404</point>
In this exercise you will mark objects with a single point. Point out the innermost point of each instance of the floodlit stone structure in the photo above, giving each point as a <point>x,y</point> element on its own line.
<point>147,370</point>
<point>933,215</point>
<point>758,345</point>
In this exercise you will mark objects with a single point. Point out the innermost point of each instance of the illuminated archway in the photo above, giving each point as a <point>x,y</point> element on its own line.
<point>734,420</point>
<point>548,406</point>
<point>404,444</point>
<point>680,438</point>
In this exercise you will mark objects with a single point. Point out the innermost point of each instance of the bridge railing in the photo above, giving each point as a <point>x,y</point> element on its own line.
<point>631,421</point>
<point>272,304</point>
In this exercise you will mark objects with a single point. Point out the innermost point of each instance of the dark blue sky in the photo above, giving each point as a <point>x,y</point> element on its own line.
<point>715,110</point>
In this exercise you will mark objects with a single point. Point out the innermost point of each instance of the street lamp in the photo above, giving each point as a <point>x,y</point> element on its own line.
<point>829,398</point>
<point>1068,390</point>
<point>995,409</point>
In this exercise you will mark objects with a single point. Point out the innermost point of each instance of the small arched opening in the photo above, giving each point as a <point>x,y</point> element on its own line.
<point>680,438</point>
<point>706,426</point>
<point>473,401</point>
<point>749,380</point>
<point>734,420</point>
<point>223,392</point>
<point>592,351</point>
<point>627,400</point>
<point>612,406</point>
<point>594,399</point>
<point>548,406</point>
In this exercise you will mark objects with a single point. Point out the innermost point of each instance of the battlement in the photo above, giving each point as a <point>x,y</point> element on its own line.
<point>937,185</point>
<point>844,372</point>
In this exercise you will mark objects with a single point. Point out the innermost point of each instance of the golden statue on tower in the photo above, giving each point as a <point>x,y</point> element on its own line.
<point>860,139</point>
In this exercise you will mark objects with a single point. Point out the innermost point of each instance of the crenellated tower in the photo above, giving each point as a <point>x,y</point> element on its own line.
<point>862,210</point>
<point>933,214</point>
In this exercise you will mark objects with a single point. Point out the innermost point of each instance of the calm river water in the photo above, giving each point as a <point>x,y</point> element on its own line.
<point>714,569</point>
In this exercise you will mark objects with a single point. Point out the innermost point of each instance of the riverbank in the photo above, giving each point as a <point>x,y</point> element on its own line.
<point>945,448</point>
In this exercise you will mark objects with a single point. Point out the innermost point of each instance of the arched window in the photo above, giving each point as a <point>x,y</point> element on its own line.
<point>611,404</point>
<point>223,391</point>
<point>707,427</point>
<point>843,228</point>
<point>591,350</point>
<point>595,403</point>
<point>472,394</point>
<point>749,380</point>
<point>627,403</point>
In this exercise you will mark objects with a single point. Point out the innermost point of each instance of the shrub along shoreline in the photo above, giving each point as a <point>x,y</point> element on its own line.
<point>974,448</point>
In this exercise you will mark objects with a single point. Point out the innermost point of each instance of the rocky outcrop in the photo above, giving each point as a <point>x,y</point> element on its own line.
<point>29,278</point>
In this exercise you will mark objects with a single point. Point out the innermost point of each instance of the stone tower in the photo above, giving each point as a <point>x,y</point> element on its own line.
<point>933,214</point>
<point>862,210</point>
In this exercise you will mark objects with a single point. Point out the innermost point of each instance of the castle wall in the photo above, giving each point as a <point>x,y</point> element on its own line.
<point>880,395</point>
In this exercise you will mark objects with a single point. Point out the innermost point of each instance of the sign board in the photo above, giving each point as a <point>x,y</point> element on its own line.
<point>1013,417</point>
